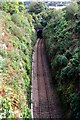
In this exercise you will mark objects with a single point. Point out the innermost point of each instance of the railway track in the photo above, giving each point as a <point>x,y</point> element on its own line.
<point>45,102</point>
<point>44,108</point>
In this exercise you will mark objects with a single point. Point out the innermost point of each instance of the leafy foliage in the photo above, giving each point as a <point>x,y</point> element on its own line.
<point>75,105</point>
<point>17,36</point>
<point>12,7</point>
<point>62,41</point>
<point>26,113</point>
<point>6,108</point>
<point>37,7</point>
<point>71,11</point>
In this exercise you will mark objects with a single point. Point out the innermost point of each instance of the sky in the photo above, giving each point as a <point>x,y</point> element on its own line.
<point>44,0</point>
<point>34,0</point>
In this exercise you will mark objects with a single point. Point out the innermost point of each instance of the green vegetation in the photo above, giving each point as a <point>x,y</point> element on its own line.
<point>12,7</point>
<point>62,42</point>
<point>17,36</point>
<point>35,8</point>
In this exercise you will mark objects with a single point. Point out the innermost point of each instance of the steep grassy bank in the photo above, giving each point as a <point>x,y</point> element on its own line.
<point>17,37</point>
<point>62,40</point>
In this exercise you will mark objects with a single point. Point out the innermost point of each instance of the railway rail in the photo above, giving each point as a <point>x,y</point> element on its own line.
<point>45,102</point>
<point>44,108</point>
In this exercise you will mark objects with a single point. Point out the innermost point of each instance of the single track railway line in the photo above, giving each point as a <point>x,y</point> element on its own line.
<point>45,101</point>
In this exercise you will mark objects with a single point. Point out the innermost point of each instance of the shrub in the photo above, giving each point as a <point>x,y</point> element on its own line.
<point>6,108</point>
<point>61,60</point>
<point>26,113</point>
<point>18,35</point>
<point>75,105</point>
<point>67,73</point>
<point>68,54</point>
<point>62,38</point>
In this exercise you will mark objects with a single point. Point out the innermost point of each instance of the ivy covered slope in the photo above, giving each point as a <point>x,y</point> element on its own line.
<point>62,40</point>
<point>16,40</point>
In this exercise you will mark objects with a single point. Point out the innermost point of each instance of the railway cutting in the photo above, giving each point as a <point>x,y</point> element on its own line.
<point>45,101</point>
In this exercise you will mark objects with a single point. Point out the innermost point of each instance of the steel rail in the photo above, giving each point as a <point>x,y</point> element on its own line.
<point>40,56</point>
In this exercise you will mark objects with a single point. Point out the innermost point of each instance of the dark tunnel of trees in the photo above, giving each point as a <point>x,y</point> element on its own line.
<point>39,33</point>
